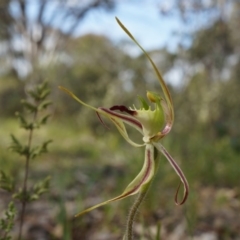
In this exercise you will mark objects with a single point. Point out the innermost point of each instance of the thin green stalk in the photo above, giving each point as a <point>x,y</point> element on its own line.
<point>133,212</point>
<point>24,201</point>
<point>5,235</point>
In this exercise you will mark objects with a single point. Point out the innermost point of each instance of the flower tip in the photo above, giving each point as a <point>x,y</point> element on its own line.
<point>62,88</point>
<point>151,97</point>
<point>186,190</point>
<point>77,215</point>
<point>118,21</point>
<point>66,90</point>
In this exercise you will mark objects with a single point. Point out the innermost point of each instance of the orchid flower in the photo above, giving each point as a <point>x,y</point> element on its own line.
<point>153,123</point>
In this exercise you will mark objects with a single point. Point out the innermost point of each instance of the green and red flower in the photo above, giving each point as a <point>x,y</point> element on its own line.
<point>154,121</point>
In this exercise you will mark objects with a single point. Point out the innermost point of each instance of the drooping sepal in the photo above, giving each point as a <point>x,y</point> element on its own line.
<point>178,171</point>
<point>138,184</point>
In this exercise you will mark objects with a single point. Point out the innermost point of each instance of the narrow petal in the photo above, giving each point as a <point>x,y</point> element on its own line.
<point>162,83</point>
<point>76,98</point>
<point>169,122</point>
<point>131,121</point>
<point>119,119</point>
<point>177,170</point>
<point>168,117</point>
<point>116,118</point>
<point>121,128</point>
<point>145,175</point>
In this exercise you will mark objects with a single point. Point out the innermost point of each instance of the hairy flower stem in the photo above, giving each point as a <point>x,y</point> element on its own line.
<point>133,212</point>
<point>134,209</point>
<point>24,200</point>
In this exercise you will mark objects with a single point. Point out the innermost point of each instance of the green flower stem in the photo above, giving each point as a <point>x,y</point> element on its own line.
<point>133,212</point>
<point>138,201</point>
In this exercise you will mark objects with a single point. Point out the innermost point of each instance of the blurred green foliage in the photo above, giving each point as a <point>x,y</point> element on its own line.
<point>7,223</point>
<point>93,161</point>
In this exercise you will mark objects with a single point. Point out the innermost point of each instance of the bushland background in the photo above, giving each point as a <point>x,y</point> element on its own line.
<point>89,163</point>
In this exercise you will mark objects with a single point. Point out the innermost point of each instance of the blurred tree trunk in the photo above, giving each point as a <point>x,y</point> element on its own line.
<point>33,33</point>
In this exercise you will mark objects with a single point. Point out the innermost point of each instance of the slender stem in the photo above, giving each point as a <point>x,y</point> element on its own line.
<point>5,235</point>
<point>133,212</point>
<point>24,200</point>
<point>134,209</point>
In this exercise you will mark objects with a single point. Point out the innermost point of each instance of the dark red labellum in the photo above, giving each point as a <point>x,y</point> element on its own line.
<point>122,108</point>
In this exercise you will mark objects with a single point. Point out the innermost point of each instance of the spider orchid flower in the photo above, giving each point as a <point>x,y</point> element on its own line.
<point>153,123</point>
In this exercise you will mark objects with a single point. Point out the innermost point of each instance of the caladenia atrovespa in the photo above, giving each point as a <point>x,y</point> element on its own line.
<point>154,121</point>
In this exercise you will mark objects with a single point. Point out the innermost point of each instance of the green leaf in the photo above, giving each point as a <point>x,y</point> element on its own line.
<point>40,188</point>
<point>43,86</point>
<point>22,120</point>
<point>19,195</point>
<point>44,105</point>
<point>44,94</point>
<point>34,94</point>
<point>6,182</point>
<point>44,120</point>
<point>25,124</point>
<point>17,147</point>
<point>39,94</point>
<point>7,222</point>
<point>22,196</point>
<point>36,151</point>
<point>29,106</point>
